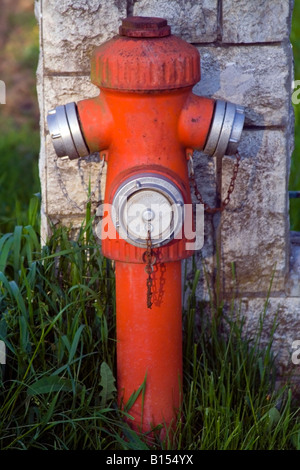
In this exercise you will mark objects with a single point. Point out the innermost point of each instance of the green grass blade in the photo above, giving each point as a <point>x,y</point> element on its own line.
<point>74,345</point>
<point>16,247</point>
<point>7,241</point>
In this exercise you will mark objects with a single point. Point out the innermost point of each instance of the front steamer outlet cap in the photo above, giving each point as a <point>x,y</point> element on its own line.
<point>145,57</point>
<point>148,202</point>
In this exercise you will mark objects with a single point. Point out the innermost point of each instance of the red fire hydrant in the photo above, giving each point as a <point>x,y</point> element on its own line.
<point>148,121</point>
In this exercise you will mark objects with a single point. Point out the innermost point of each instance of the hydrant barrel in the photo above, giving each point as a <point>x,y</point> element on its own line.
<point>149,344</point>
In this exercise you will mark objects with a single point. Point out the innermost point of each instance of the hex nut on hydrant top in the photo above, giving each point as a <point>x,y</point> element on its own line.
<point>147,121</point>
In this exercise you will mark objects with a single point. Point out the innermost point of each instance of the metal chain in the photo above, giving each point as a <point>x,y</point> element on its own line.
<point>63,187</point>
<point>207,208</point>
<point>149,256</point>
<point>98,180</point>
<point>149,269</point>
<point>162,282</point>
<point>64,190</point>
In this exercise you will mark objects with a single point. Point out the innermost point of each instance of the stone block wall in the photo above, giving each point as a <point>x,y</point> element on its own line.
<point>246,58</point>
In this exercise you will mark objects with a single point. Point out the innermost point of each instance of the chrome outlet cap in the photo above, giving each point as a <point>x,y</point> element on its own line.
<point>65,132</point>
<point>148,202</point>
<point>226,129</point>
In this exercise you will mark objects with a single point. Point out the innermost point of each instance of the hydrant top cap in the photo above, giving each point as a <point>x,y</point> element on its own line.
<point>144,27</point>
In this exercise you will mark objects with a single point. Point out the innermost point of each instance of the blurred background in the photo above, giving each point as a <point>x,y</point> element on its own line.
<point>294,184</point>
<point>19,117</point>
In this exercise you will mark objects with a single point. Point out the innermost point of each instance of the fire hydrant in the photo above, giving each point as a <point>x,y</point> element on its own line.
<point>148,121</point>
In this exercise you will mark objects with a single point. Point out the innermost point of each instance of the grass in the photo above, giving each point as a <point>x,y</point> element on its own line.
<point>294,183</point>
<point>58,390</point>
<point>18,172</point>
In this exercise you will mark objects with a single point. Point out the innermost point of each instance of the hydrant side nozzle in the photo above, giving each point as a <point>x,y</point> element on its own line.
<point>226,128</point>
<point>96,122</point>
<point>195,121</point>
<point>65,132</point>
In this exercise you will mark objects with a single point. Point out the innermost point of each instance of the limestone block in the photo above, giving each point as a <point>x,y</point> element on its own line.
<point>205,175</point>
<point>255,21</point>
<point>205,169</point>
<point>61,90</point>
<point>255,226</point>
<point>192,21</point>
<point>247,76</point>
<point>283,312</point>
<point>68,180</point>
<point>72,29</point>
<point>68,183</point>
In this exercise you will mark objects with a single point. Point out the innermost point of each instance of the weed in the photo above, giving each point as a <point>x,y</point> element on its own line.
<point>58,389</point>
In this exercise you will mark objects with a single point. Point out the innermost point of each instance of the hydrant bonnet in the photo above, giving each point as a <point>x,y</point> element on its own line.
<point>145,57</point>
